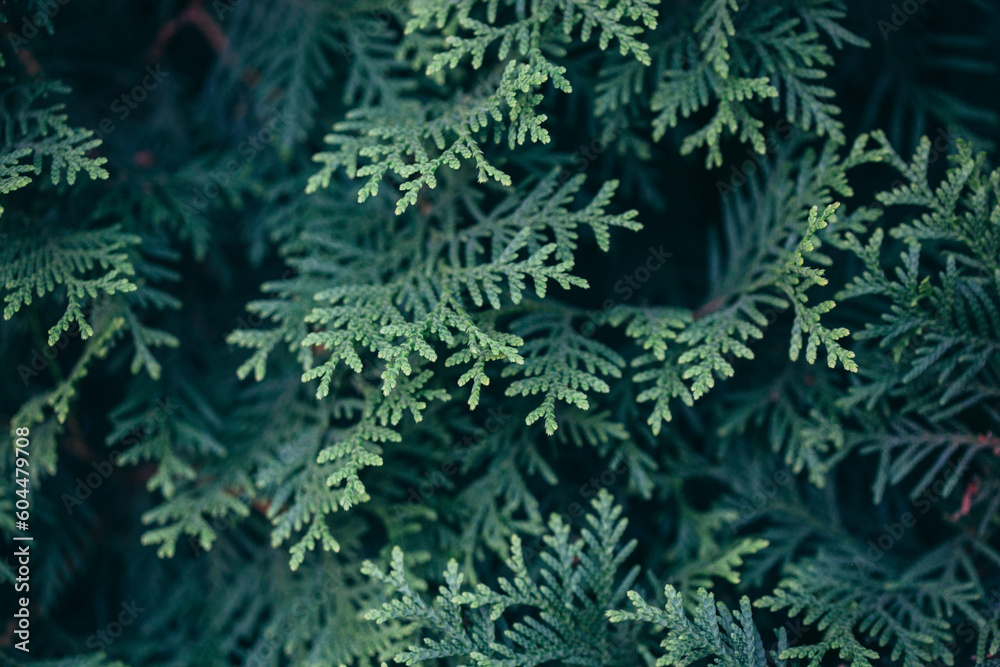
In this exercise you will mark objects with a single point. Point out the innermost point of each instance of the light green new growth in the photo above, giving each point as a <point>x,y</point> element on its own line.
<point>41,134</point>
<point>412,139</point>
<point>710,630</point>
<point>432,289</point>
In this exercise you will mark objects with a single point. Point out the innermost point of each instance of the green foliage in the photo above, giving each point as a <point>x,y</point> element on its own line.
<point>254,361</point>
<point>427,290</point>
<point>412,139</point>
<point>736,56</point>
<point>688,349</point>
<point>562,365</point>
<point>291,80</point>
<point>908,611</point>
<point>936,358</point>
<point>949,325</point>
<point>33,268</point>
<point>711,631</point>
<point>33,135</point>
<point>578,581</point>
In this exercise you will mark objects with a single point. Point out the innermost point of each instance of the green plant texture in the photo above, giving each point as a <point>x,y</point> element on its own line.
<point>500,333</point>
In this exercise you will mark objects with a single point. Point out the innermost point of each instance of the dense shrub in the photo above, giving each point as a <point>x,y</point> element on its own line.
<point>504,332</point>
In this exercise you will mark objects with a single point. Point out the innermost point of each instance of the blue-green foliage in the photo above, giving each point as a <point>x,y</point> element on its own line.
<point>380,395</point>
